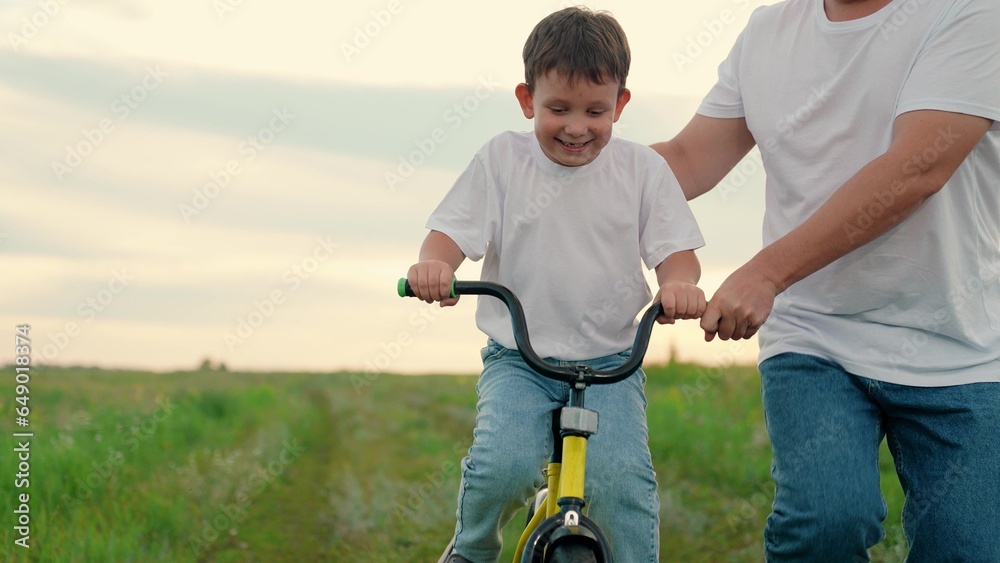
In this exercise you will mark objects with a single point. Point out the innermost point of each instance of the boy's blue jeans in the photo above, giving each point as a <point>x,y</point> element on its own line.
<point>512,442</point>
<point>825,427</point>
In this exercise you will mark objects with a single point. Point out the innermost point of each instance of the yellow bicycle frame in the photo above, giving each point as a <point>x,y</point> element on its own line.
<point>567,471</point>
<point>567,483</point>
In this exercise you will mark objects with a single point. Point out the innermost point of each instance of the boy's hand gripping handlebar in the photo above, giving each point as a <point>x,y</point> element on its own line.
<point>570,374</point>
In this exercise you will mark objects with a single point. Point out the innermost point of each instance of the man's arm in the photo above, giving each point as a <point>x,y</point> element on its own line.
<point>905,171</point>
<point>431,276</point>
<point>705,151</point>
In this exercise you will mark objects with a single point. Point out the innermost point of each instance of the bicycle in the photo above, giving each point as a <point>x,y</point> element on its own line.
<point>557,531</point>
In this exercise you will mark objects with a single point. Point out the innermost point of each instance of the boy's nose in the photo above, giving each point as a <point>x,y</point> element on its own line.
<point>575,127</point>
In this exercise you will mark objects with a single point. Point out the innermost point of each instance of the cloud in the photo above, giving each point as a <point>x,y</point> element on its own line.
<point>319,173</point>
<point>366,121</point>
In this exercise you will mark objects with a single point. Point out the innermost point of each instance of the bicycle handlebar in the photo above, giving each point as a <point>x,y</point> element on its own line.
<point>569,374</point>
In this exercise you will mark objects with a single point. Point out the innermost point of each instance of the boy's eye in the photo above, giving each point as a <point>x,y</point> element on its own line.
<point>596,112</point>
<point>557,110</point>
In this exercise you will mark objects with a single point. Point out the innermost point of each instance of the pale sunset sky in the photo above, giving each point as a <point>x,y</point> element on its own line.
<point>245,180</point>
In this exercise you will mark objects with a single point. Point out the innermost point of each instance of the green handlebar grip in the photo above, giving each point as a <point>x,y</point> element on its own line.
<point>403,288</point>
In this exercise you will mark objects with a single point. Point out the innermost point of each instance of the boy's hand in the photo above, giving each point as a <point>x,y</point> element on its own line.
<point>431,281</point>
<point>681,300</point>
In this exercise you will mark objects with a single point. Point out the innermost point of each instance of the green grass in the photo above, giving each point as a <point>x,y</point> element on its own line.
<point>217,466</point>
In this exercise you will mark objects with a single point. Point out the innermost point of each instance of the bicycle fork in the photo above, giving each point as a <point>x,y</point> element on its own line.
<point>561,515</point>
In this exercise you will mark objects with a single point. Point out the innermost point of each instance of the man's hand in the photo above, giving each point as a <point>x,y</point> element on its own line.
<point>680,300</point>
<point>431,281</point>
<point>739,307</point>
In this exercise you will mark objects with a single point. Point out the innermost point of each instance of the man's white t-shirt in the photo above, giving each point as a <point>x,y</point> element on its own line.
<point>569,241</point>
<point>920,305</point>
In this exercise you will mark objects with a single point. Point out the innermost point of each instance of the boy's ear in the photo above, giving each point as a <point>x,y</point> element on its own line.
<point>623,99</point>
<point>525,98</point>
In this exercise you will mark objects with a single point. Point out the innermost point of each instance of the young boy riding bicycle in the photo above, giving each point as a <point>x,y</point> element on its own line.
<point>565,216</point>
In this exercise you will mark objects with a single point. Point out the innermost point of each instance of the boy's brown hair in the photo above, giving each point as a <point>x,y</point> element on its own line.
<point>577,43</point>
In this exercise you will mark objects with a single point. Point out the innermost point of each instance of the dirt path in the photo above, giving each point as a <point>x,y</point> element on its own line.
<point>375,481</point>
<point>289,519</point>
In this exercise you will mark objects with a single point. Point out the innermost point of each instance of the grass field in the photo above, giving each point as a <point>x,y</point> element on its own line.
<point>219,466</point>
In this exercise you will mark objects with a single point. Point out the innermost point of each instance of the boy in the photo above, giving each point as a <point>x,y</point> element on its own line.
<point>563,218</point>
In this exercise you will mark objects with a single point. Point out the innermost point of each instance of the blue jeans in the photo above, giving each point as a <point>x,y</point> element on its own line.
<point>825,427</point>
<point>512,441</point>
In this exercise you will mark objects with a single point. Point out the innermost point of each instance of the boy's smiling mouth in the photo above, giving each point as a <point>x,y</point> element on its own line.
<point>574,146</point>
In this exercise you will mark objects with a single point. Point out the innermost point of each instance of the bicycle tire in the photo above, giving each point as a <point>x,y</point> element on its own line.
<point>572,553</point>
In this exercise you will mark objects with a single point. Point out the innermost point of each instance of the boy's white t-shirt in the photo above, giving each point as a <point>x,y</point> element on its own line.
<point>920,305</point>
<point>569,241</point>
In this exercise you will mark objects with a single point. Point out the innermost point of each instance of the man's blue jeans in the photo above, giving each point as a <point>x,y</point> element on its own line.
<point>825,427</point>
<point>512,442</point>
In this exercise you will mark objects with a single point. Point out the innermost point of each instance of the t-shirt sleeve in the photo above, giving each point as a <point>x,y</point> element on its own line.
<point>666,223</point>
<point>468,213</point>
<point>725,100</point>
<point>958,68</point>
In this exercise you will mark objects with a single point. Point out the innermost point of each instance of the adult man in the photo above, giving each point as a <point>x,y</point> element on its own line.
<point>880,274</point>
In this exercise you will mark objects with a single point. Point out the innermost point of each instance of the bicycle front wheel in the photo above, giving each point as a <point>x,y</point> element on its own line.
<point>573,553</point>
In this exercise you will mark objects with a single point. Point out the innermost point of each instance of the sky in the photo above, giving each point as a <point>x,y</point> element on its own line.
<point>244,181</point>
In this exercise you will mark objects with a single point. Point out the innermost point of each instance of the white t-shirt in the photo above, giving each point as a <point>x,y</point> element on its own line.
<point>921,304</point>
<point>567,240</point>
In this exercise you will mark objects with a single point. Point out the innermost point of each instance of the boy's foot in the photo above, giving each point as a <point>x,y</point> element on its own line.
<point>450,556</point>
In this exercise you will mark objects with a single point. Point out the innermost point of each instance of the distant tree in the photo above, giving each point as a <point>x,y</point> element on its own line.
<point>208,365</point>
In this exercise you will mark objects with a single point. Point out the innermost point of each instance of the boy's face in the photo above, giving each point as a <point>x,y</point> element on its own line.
<point>573,122</point>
